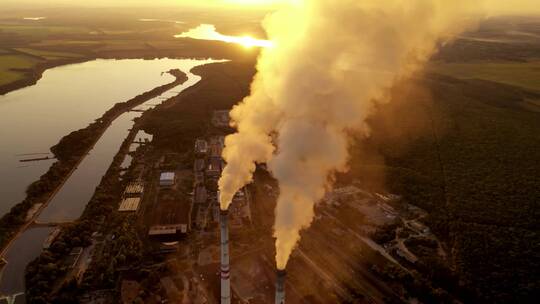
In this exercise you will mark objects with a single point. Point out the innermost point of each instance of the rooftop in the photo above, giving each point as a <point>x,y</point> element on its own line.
<point>201,146</point>
<point>171,212</point>
<point>134,188</point>
<point>129,204</point>
<point>200,194</point>
<point>167,176</point>
<point>167,229</point>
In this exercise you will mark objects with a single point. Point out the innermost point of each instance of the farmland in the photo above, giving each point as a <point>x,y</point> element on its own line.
<point>13,67</point>
<point>61,38</point>
<point>520,74</point>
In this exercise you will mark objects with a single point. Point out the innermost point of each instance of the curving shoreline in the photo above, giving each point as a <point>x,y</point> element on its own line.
<point>99,213</point>
<point>79,143</point>
<point>32,76</point>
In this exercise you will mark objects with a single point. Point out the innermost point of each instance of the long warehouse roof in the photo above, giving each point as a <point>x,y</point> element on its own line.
<point>130,204</point>
<point>134,188</point>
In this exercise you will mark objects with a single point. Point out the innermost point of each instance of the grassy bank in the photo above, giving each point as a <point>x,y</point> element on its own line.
<point>18,70</point>
<point>46,277</point>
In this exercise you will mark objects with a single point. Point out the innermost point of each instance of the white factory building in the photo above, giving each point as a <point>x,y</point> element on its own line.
<point>167,179</point>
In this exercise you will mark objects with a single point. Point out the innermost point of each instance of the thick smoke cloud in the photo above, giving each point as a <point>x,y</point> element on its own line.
<point>317,86</point>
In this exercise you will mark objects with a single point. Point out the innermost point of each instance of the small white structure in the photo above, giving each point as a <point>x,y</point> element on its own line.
<point>167,179</point>
<point>167,229</point>
<point>201,146</point>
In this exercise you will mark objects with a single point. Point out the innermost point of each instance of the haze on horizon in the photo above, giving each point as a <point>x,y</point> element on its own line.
<point>492,7</point>
<point>252,4</point>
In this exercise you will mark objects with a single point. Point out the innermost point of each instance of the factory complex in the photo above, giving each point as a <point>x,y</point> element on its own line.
<point>228,256</point>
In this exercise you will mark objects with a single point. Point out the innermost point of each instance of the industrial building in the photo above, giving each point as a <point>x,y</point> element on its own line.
<point>198,165</point>
<point>214,167</point>
<point>218,140</point>
<point>201,216</point>
<point>217,143</point>
<point>167,179</point>
<point>240,209</point>
<point>171,217</point>
<point>221,119</point>
<point>130,204</point>
<point>170,230</point>
<point>201,147</point>
<point>199,178</point>
<point>201,195</point>
<point>134,188</point>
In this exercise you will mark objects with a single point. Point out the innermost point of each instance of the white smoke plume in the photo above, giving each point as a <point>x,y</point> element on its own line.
<point>331,60</point>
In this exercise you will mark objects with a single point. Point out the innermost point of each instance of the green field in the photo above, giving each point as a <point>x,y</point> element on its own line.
<point>9,62</point>
<point>115,45</point>
<point>40,30</point>
<point>525,75</point>
<point>50,55</point>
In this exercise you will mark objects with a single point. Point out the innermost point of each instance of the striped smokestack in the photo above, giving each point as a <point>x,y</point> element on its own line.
<point>280,286</point>
<point>225,269</point>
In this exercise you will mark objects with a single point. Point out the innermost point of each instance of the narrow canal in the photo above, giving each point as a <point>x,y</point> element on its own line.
<point>66,99</point>
<point>70,201</point>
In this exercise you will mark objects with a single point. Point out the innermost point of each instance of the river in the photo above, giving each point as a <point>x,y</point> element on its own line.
<point>71,199</point>
<point>65,99</point>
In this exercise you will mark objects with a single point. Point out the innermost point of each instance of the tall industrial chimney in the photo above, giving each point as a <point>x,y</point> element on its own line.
<point>225,269</point>
<point>280,286</point>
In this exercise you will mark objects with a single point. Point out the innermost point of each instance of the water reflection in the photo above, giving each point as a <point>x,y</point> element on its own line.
<point>67,98</point>
<point>208,32</point>
<point>69,203</point>
<point>34,18</point>
<point>26,248</point>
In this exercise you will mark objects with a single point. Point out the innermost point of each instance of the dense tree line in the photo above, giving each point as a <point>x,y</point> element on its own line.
<point>474,167</point>
<point>37,192</point>
<point>43,274</point>
<point>176,124</point>
<point>48,270</point>
<point>122,248</point>
<point>78,142</point>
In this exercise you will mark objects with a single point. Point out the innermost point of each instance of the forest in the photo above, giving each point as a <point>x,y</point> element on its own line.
<point>469,154</point>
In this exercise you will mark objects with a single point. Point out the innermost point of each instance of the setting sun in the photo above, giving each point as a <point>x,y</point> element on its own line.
<point>208,32</point>
<point>256,2</point>
<point>249,42</point>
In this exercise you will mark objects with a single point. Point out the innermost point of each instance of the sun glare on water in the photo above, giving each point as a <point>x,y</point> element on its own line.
<point>249,42</point>
<point>208,32</point>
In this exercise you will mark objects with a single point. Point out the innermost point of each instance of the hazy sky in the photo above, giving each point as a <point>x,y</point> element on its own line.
<point>491,6</point>
<point>251,3</point>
